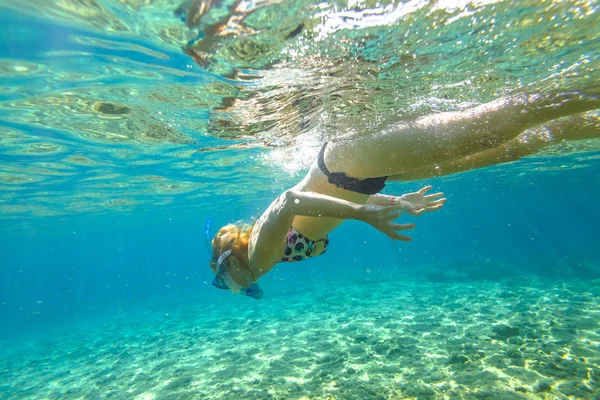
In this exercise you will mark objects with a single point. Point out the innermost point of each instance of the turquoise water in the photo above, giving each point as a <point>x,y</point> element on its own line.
<point>125,124</point>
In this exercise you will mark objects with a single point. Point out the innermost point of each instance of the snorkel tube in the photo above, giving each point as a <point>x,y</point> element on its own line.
<point>223,280</point>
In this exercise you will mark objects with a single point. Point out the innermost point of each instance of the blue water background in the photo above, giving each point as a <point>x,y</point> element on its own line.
<point>89,268</point>
<point>82,268</point>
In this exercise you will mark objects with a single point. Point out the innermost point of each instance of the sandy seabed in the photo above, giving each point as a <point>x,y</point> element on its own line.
<point>394,339</point>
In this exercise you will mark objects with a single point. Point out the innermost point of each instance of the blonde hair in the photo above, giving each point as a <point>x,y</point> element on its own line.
<point>231,237</point>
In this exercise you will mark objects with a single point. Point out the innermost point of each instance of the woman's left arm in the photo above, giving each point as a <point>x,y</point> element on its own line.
<point>413,203</point>
<point>268,237</point>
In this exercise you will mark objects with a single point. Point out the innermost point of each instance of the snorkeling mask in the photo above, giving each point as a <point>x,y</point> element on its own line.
<point>223,279</point>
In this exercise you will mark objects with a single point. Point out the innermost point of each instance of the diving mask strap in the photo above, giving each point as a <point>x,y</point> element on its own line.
<point>220,281</point>
<point>223,278</point>
<point>222,258</point>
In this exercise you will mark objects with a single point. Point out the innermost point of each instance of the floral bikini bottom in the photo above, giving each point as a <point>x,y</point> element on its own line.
<point>299,247</point>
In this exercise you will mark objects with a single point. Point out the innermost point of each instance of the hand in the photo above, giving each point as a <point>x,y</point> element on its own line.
<point>415,203</point>
<point>382,217</point>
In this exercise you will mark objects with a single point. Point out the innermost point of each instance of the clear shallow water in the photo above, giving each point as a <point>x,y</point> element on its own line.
<point>363,339</point>
<point>122,129</point>
<point>115,106</point>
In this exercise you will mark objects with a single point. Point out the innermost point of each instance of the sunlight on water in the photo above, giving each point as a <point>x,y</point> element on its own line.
<point>116,105</point>
<point>126,123</point>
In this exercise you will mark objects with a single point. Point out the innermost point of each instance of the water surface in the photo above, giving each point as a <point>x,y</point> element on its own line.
<point>125,124</point>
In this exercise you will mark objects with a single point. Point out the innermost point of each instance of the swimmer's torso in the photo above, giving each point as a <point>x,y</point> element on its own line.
<point>315,181</point>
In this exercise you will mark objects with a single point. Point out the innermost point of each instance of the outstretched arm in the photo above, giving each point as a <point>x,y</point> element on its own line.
<point>267,241</point>
<point>312,204</point>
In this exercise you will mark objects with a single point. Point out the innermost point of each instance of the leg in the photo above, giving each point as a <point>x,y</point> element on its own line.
<point>576,127</point>
<point>444,137</point>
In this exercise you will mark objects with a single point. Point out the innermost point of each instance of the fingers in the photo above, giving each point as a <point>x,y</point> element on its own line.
<point>389,213</point>
<point>439,202</point>
<point>434,205</point>
<point>402,227</point>
<point>424,190</point>
<point>392,228</point>
<point>396,236</point>
<point>403,238</point>
<point>433,196</point>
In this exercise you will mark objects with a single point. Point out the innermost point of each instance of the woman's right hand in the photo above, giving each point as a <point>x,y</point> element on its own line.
<point>382,218</point>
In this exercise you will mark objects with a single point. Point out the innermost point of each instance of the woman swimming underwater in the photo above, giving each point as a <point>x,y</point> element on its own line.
<point>345,180</point>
